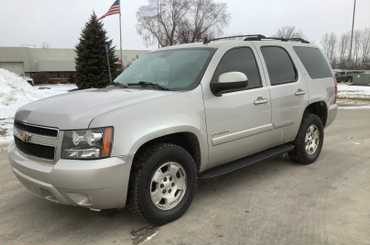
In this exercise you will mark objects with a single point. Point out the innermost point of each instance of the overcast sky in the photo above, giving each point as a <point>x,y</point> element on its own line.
<point>59,23</point>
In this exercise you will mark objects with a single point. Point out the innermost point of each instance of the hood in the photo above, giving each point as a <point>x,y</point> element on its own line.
<point>77,109</point>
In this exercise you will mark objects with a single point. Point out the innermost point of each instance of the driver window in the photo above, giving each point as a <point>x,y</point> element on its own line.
<point>241,60</point>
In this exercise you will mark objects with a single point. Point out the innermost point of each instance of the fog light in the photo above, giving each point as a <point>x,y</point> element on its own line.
<point>80,199</point>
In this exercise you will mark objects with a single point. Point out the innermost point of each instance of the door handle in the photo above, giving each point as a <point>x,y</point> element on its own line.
<point>260,101</point>
<point>300,92</point>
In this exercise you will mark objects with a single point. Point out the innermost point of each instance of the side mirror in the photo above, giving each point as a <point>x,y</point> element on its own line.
<point>229,82</point>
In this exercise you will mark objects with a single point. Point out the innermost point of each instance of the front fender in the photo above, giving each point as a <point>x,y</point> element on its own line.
<point>155,134</point>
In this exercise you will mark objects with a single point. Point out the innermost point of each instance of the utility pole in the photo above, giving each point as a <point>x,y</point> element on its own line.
<point>352,31</point>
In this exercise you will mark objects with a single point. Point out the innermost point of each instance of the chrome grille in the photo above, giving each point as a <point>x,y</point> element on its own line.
<point>36,141</point>
<point>36,129</point>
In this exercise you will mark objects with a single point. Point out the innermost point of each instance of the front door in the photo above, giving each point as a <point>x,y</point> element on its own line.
<point>239,123</point>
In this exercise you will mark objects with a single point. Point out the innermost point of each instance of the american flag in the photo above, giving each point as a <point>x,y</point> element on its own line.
<point>114,9</point>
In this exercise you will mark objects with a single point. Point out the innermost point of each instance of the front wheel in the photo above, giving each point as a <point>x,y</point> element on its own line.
<point>309,141</point>
<point>163,183</point>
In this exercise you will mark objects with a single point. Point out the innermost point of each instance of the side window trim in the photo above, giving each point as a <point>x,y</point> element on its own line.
<point>296,76</point>
<point>214,79</point>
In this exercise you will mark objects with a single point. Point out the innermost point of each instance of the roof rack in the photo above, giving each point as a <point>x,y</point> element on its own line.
<point>253,36</point>
<point>256,37</point>
<point>298,39</point>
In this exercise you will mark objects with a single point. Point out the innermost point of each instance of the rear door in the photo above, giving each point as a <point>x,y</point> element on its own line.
<point>287,87</point>
<point>239,122</point>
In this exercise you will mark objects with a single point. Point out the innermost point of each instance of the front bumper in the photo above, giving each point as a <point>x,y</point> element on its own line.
<point>95,184</point>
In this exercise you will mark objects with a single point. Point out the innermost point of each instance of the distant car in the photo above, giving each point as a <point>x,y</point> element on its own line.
<point>30,81</point>
<point>342,77</point>
<point>347,76</point>
<point>175,115</point>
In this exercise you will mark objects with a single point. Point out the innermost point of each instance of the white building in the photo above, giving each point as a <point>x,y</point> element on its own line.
<point>47,64</point>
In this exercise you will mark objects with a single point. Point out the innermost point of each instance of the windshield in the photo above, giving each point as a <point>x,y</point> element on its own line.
<point>178,69</point>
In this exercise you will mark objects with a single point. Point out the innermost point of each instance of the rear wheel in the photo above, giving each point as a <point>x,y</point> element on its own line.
<point>309,141</point>
<point>163,183</point>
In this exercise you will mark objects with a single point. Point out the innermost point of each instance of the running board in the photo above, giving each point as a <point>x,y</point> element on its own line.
<point>245,162</point>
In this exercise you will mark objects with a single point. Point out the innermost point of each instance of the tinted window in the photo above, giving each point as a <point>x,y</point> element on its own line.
<point>314,62</point>
<point>279,65</point>
<point>241,60</point>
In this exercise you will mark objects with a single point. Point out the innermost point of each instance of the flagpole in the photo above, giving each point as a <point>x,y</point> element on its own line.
<point>120,35</point>
<point>108,63</point>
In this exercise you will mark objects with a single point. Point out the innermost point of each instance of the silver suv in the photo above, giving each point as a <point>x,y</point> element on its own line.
<point>176,115</point>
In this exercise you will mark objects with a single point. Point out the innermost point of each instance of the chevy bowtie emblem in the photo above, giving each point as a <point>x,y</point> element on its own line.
<point>24,136</point>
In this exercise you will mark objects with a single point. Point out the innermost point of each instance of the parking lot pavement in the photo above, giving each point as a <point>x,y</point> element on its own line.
<point>274,202</point>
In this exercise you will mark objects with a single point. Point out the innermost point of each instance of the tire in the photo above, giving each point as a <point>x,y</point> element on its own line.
<point>302,153</point>
<point>145,186</point>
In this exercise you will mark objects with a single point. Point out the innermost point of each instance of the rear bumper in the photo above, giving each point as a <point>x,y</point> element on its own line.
<point>96,184</point>
<point>332,114</point>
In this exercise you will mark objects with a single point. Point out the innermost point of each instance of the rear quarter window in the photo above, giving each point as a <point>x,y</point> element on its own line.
<point>314,62</point>
<point>280,66</point>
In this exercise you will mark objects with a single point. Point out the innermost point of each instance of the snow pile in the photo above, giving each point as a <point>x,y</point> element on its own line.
<point>353,92</point>
<point>14,92</point>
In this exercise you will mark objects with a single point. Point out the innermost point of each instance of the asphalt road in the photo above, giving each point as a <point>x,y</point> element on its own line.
<point>274,202</point>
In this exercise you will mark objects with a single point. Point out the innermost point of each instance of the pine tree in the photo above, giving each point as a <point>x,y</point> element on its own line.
<point>91,60</point>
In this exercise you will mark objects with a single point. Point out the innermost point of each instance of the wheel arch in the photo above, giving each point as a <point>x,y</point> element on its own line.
<point>187,137</point>
<point>318,108</point>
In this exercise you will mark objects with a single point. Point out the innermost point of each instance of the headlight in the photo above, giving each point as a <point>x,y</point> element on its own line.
<point>87,144</point>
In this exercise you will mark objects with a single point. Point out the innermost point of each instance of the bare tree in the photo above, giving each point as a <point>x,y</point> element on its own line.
<point>343,48</point>
<point>325,44</point>
<point>288,32</point>
<point>45,45</point>
<point>180,21</point>
<point>205,18</point>
<point>337,51</point>
<point>329,44</point>
<point>355,60</point>
<point>365,47</point>
<point>160,22</point>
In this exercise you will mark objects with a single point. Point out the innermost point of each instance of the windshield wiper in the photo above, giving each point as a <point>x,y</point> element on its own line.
<point>149,84</point>
<point>121,85</point>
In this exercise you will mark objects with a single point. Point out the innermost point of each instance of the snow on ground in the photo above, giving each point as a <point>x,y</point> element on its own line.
<point>16,92</point>
<point>355,107</point>
<point>353,92</point>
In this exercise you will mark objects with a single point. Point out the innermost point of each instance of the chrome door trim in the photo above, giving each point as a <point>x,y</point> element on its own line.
<point>283,124</point>
<point>217,140</point>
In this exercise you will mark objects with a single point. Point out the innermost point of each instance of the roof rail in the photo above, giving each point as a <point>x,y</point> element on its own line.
<point>253,36</point>
<point>298,39</point>
<point>293,39</point>
<point>256,37</point>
